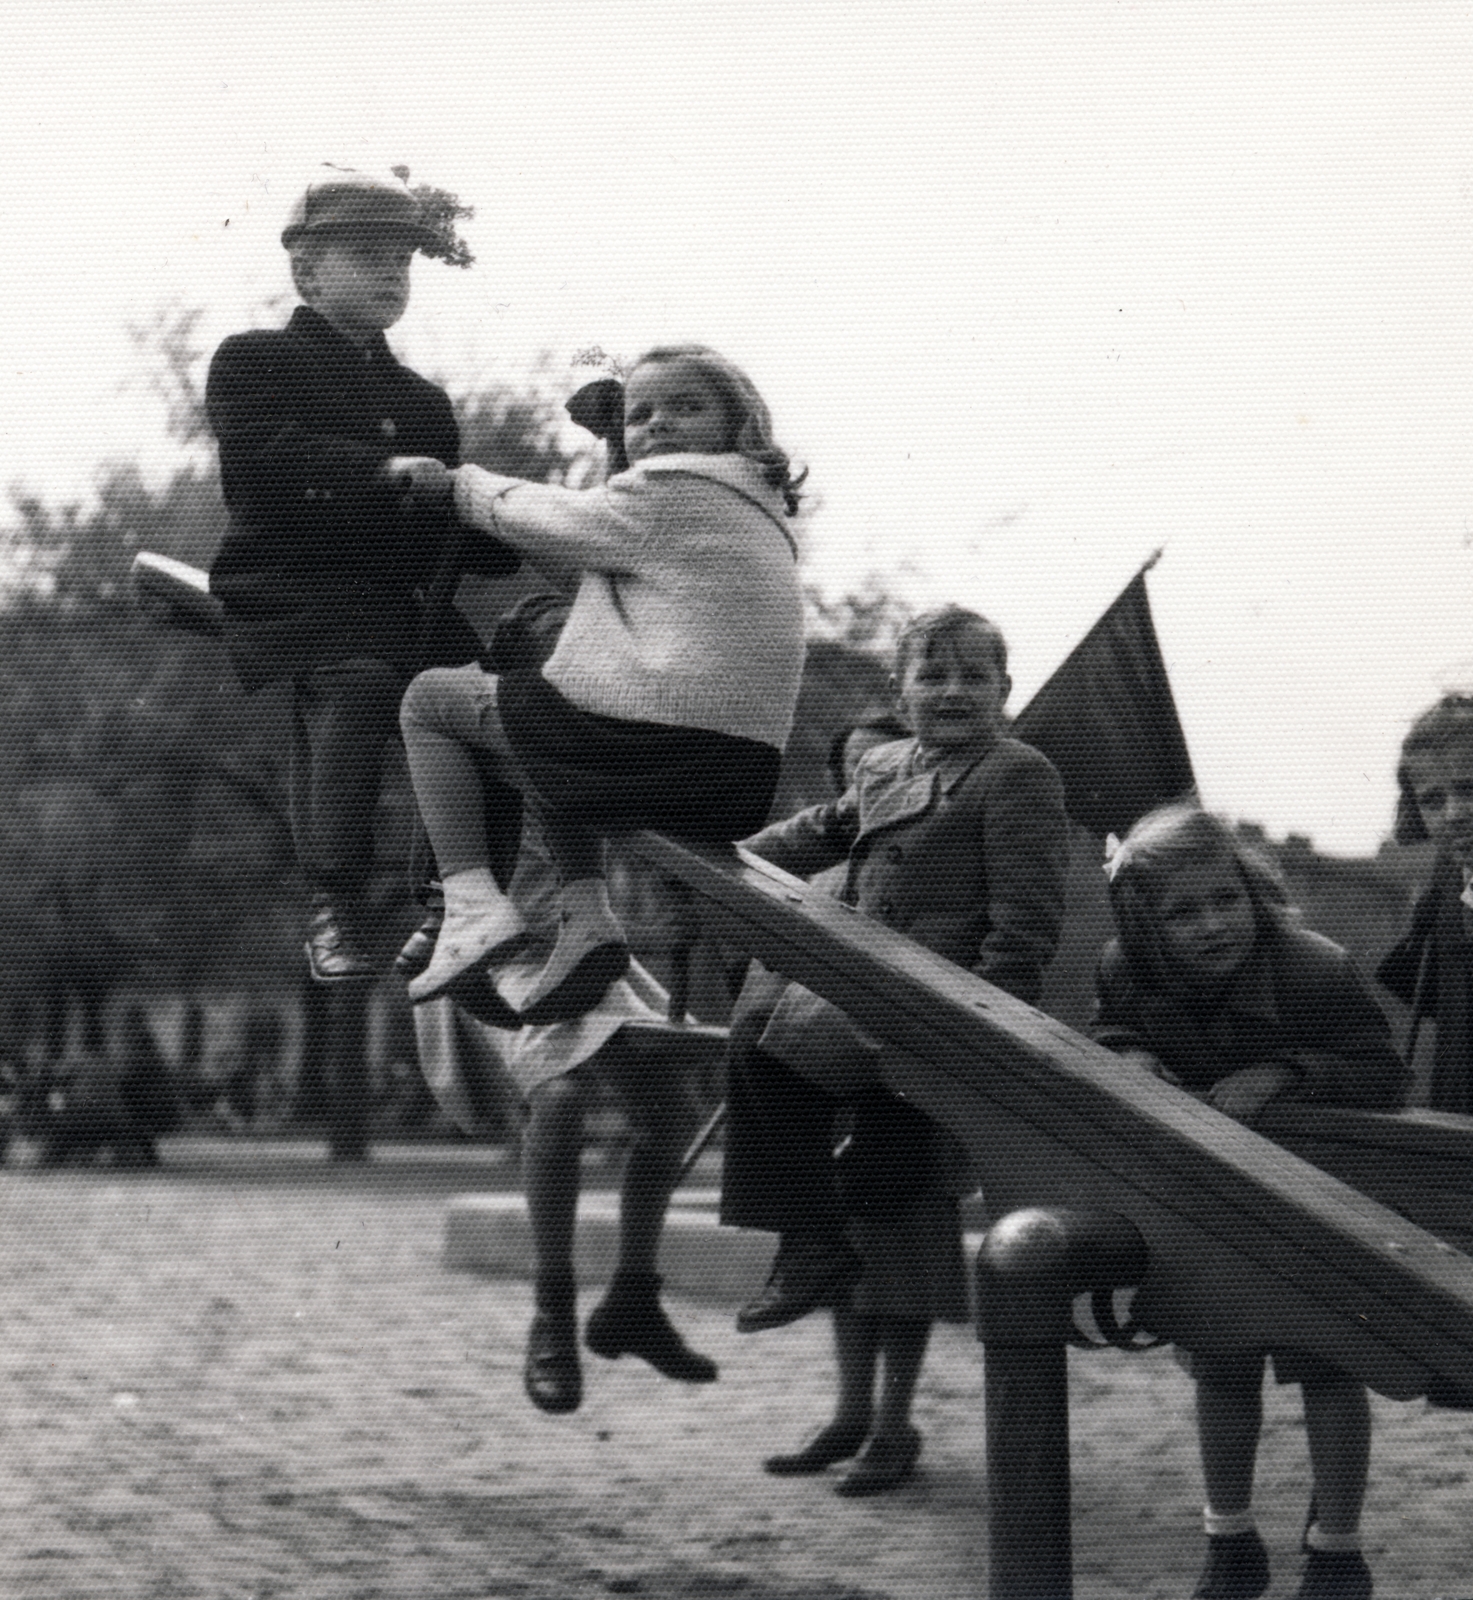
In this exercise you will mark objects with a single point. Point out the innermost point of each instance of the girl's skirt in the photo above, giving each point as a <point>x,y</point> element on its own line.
<point>609,774</point>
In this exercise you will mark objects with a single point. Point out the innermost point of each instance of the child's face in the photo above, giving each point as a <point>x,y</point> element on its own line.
<point>1442,786</point>
<point>1205,920</point>
<point>952,691</point>
<point>360,282</point>
<point>672,406</point>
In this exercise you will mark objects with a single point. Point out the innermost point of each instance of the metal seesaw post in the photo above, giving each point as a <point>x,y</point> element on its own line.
<point>1031,1266</point>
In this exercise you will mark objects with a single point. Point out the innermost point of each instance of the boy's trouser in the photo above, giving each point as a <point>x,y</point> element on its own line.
<point>780,1173</point>
<point>343,716</point>
<point>778,1168</point>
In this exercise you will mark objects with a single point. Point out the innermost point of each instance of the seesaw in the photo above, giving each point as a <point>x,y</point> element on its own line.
<point>1248,1243</point>
<point>1102,1178</point>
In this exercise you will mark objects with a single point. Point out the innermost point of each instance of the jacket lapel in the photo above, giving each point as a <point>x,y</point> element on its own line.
<point>888,791</point>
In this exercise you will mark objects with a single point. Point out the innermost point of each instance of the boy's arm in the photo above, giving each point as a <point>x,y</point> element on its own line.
<point>1025,845</point>
<point>277,468</point>
<point>811,840</point>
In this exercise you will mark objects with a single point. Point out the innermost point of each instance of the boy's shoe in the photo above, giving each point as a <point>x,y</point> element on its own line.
<point>1335,1575</point>
<point>419,948</point>
<point>805,1275</point>
<point>1237,1568</point>
<point>888,1460</point>
<point>550,1374</point>
<point>469,939</point>
<point>337,949</point>
<point>590,954</point>
<point>630,1321</point>
<point>837,1442</point>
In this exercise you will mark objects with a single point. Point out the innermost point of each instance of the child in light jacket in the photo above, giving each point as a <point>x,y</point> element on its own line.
<point>667,700</point>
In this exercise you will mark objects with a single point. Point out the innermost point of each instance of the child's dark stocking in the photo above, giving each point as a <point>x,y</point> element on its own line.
<point>551,1151</point>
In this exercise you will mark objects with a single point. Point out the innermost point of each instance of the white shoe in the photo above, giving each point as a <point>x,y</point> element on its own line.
<point>478,928</point>
<point>590,954</point>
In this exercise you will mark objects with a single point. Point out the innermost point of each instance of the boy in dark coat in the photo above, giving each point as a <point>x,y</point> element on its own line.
<point>333,538</point>
<point>956,837</point>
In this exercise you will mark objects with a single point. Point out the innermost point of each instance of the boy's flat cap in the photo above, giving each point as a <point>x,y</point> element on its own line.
<point>343,198</point>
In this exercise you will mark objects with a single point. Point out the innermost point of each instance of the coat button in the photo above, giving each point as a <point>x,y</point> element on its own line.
<point>388,427</point>
<point>894,853</point>
<point>886,908</point>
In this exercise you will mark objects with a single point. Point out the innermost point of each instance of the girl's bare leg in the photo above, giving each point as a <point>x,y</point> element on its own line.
<point>902,1342</point>
<point>856,1352</point>
<point>447,715</point>
<point>1229,1419</point>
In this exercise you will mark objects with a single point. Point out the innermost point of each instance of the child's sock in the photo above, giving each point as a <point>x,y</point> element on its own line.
<point>1318,1539</point>
<point>1227,1525</point>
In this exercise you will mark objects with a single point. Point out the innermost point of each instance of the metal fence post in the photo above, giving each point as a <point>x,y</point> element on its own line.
<point>1030,1267</point>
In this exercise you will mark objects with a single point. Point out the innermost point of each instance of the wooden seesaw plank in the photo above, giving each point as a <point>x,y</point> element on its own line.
<point>1249,1244</point>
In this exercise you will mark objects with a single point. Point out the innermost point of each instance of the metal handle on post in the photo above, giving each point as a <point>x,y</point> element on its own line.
<point>1030,1267</point>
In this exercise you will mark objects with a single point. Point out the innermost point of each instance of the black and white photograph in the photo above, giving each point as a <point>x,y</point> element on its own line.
<point>736,800</point>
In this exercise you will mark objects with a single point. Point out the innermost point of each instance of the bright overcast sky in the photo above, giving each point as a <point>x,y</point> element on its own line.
<point>1033,289</point>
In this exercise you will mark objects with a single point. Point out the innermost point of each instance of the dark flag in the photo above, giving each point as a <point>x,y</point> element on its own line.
<point>1107,721</point>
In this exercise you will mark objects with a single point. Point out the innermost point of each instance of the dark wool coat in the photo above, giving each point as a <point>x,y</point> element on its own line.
<point>1297,1002</point>
<point>967,858</point>
<point>1446,993</point>
<point>319,564</point>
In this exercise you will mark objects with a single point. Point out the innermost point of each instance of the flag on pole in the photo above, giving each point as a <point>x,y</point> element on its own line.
<point>1107,720</point>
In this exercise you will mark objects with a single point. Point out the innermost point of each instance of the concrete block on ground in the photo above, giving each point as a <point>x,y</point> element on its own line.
<point>490,1233</point>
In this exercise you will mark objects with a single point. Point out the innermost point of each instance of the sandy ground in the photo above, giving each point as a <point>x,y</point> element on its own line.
<point>239,1379</point>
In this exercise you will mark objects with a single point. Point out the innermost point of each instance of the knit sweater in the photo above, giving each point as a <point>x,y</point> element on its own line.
<point>688,610</point>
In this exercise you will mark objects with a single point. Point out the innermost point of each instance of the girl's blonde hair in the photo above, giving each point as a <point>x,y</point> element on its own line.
<point>1440,728</point>
<point>754,421</point>
<point>1161,844</point>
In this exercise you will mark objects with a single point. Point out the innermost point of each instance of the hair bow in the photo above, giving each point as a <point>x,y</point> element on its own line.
<point>1117,855</point>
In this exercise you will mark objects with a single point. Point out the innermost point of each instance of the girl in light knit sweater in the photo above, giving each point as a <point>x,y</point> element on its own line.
<point>666,702</point>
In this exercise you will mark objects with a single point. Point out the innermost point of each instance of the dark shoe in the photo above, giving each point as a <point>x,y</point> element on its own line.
<point>419,948</point>
<point>837,1442</point>
<point>337,950</point>
<point>566,982</point>
<point>887,1462</point>
<point>474,992</point>
<point>551,1374</point>
<point>1237,1568</point>
<point>635,1324</point>
<point>803,1279</point>
<point>1335,1575</point>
